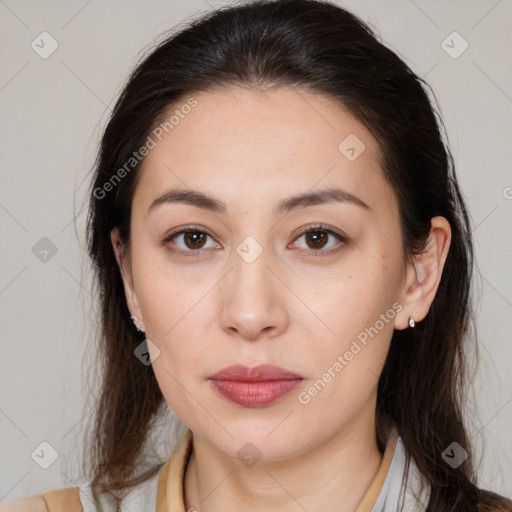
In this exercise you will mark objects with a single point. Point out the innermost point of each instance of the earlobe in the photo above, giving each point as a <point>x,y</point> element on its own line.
<point>424,274</point>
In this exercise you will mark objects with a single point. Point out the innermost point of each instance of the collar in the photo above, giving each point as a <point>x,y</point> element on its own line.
<point>170,481</point>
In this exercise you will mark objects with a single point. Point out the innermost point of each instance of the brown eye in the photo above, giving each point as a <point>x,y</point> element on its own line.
<point>188,241</point>
<point>194,239</point>
<point>317,239</point>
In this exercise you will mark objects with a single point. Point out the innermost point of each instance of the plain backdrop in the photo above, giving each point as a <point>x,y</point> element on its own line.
<point>53,111</point>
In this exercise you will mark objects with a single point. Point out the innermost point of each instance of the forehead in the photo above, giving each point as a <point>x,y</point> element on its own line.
<point>244,144</point>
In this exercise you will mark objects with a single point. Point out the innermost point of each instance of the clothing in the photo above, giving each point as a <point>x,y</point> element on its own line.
<point>163,492</point>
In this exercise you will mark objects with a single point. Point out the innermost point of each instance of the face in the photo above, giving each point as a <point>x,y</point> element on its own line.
<point>313,287</point>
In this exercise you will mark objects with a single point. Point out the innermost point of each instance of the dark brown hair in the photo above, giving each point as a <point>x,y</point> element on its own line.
<point>320,47</point>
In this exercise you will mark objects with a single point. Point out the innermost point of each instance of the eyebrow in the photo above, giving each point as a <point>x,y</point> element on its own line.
<point>207,202</point>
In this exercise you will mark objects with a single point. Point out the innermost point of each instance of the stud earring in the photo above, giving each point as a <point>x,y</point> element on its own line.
<point>412,322</point>
<point>135,322</point>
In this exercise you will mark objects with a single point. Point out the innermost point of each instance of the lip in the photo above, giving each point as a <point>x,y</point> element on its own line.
<point>255,387</point>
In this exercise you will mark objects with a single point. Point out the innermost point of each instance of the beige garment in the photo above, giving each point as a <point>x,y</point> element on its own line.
<point>164,491</point>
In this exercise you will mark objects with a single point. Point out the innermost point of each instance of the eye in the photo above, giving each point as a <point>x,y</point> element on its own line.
<point>316,239</point>
<point>192,240</point>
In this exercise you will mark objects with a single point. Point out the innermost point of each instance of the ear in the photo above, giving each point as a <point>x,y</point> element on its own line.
<point>423,274</point>
<point>124,264</point>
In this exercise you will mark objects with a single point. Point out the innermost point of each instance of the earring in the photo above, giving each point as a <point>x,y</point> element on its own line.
<point>135,322</point>
<point>412,323</point>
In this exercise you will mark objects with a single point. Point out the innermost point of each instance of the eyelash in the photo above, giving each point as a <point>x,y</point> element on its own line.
<point>309,229</point>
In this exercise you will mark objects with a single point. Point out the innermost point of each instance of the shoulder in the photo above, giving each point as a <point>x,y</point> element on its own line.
<point>58,500</point>
<point>34,503</point>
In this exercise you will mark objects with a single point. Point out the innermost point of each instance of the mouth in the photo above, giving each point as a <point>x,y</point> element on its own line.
<point>255,387</point>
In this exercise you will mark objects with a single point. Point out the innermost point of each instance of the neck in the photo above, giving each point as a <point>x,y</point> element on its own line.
<point>335,475</point>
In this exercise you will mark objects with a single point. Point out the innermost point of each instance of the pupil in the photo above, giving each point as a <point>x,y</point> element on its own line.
<point>318,237</point>
<point>196,238</point>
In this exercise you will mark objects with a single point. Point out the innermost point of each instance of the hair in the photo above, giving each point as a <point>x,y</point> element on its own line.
<point>319,47</point>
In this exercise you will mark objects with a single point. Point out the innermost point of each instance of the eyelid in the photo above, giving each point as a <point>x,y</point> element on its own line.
<point>186,229</point>
<point>320,227</point>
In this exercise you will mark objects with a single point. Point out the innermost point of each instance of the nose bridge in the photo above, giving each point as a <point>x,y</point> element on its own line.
<point>251,274</point>
<point>251,301</point>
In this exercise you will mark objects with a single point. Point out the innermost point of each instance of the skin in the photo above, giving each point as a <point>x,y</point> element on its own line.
<point>252,149</point>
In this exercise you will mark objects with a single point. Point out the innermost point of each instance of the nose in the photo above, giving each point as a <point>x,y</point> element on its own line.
<point>253,299</point>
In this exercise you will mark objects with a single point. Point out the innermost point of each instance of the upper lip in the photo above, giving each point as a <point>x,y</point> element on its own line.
<point>261,373</point>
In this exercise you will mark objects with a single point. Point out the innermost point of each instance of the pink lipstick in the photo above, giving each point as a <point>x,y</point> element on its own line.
<point>255,387</point>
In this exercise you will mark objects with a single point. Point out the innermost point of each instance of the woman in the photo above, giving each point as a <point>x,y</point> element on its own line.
<point>283,258</point>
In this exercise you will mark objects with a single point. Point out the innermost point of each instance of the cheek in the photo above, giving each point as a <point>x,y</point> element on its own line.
<point>345,366</point>
<point>180,363</point>
<point>358,305</point>
<point>352,297</point>
<point>167,298</point>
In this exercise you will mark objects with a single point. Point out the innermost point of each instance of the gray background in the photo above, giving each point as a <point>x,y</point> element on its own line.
<point>52,114</point>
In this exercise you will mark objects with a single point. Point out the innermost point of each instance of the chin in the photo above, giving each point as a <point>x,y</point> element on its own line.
<point>263,441</point>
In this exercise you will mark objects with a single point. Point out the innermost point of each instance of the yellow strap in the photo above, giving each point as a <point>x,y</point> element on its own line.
<point>373,492</point>
<point>63,500</point>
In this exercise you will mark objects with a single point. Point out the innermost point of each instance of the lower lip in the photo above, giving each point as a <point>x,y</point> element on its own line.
<point>255,394</point>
